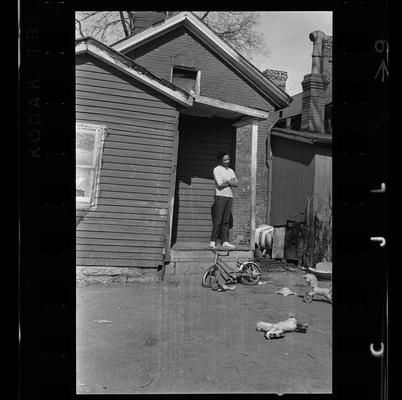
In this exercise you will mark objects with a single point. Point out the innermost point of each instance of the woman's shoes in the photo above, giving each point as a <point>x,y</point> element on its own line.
<point>228,246</point>
<point>224,287</point>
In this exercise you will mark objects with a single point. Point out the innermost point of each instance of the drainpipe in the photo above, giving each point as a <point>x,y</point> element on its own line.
<point>268,161</point>
<point>269,165</point>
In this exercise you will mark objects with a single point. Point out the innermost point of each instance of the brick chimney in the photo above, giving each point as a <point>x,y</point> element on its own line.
<point>279,78</point>
<point>327,57</point>
<point>314,86</point>
<point>145,19</point>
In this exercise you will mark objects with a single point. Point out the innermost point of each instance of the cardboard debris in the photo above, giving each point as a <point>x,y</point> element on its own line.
<point>286,292</point>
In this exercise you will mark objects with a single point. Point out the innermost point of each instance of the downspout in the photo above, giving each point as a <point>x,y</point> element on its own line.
<point>268,162</point>
<point>269,166</point>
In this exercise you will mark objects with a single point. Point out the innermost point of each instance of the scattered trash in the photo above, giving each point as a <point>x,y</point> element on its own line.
<point>149,382</point>
<point>310,355</point>
<point>323,270</point>
<point>286,292</point>
<point>102,321</point>
<point>312,281</point>
<point>278,330</point>
<point>262,283</point>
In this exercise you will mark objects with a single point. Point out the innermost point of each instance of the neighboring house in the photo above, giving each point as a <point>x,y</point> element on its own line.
<point>160,105</point>
<point>301,143</point>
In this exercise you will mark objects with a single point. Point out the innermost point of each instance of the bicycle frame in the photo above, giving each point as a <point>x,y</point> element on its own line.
<point>229,272</point>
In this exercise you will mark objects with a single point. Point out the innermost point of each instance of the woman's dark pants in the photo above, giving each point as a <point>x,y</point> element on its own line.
<point>222,209</point>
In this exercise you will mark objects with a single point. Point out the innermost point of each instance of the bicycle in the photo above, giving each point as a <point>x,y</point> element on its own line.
<point>248,272</point>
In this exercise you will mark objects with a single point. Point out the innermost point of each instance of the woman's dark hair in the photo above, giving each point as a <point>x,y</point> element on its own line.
<point>221,154</point>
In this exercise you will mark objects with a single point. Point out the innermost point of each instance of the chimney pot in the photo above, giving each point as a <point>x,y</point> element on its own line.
<point>315,85</point>
<point>277,77</point>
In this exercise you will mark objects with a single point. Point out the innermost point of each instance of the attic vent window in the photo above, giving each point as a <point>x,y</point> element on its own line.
<point>186,78</point>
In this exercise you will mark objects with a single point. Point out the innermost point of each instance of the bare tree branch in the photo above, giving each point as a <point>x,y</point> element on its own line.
<point>237,28</point>
<point>205,15</point>
<point>131,19</point>
<point>79,27</point>
<point>123,22</point>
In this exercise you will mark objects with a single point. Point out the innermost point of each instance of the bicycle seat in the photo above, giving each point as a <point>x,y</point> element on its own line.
<point>222,253</point>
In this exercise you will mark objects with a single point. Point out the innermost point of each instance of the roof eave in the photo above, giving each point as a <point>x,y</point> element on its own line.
<point>301,136</point>
<point>278,98</point>
<point>99,51</point>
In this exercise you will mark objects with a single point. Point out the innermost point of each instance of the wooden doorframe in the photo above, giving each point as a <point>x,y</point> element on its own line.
<point>172,190</point>
<point>253,180</point>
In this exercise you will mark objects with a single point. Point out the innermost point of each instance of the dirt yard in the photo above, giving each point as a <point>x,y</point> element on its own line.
<point>178,337</point>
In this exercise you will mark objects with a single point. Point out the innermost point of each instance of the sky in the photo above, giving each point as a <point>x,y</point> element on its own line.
<point>287,37</point>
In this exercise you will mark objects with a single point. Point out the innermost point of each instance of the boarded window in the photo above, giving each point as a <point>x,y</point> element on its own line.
<point>89,143</point>
<point>186,78</point>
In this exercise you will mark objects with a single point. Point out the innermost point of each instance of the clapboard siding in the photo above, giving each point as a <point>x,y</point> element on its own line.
<point>135,209</point>
<point>148,262</point>
<point>116,248</point>
<point>132,110</point>
<point>134,175</point>
<point>157,121</point>
<point>138,237</point>
<point>126,222</point>
<point>139,141</point>
<point>118,228</point>
<point>130,199</point>
<point>140,104</point>
<point>128,226</point>
<point>128,244</point>
<point>199,141</point>
<point>136,182</point>
<point>99,86</point>
<point>133,153</point>
<point>83,114</point>
<point>125,216</point>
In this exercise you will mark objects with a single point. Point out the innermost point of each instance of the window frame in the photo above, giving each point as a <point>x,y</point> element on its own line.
<point>191,69</point>
<point>100,132</point>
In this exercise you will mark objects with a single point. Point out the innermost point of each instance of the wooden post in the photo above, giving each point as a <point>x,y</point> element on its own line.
<point>253,181</point>
<point>278,242</point>
<point>169,223</point>
<point>269,164</point>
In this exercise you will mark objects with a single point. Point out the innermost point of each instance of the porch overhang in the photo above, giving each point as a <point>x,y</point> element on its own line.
<point>210,108</point>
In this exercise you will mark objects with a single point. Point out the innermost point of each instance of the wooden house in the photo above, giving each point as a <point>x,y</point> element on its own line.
<point>152,112</point>
<point>301,148</point>
<point>301,144</point>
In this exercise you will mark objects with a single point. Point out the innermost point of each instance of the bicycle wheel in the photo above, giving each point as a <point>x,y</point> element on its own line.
<point>250,273</point>
<point>209,276</point>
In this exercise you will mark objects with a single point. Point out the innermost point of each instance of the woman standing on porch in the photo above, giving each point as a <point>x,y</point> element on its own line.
<point>222,208</point>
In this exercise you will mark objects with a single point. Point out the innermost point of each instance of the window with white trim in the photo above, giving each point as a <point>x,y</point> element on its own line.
<point>90,139</point>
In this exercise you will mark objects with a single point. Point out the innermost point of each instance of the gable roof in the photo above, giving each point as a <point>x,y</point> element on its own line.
<point>307,137</point>
<point>255,78</point>
<point>126,65</point>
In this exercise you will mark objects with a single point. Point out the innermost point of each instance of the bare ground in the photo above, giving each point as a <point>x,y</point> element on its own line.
<point>178,337</point>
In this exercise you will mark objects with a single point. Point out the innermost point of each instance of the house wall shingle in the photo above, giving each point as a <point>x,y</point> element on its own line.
<point>127,229</point>
<point>218,79</point>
